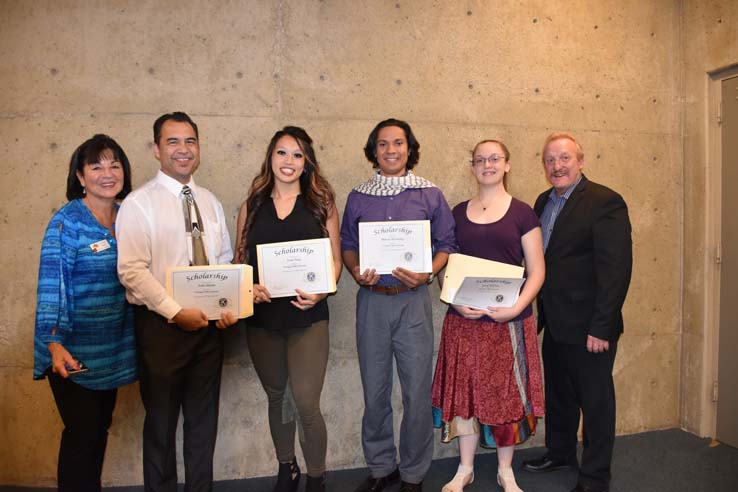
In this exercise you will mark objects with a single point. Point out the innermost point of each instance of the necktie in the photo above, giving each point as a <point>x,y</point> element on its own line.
<point>193,226</point>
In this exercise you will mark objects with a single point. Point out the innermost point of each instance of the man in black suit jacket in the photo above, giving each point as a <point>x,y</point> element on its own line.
<point>588,253</point>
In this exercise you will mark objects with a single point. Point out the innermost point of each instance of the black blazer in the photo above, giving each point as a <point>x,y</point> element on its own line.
<point>588,266</point>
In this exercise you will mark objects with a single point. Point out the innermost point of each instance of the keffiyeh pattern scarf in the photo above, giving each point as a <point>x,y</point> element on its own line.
<point>380,185</point>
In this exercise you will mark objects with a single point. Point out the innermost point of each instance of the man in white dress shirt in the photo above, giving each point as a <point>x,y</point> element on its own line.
<point>179,363</point>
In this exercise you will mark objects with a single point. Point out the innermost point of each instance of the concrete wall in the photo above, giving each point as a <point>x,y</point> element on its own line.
<point>711,45</point>
<point>458,71</point>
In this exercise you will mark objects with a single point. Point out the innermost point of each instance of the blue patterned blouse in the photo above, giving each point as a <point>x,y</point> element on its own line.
<point>80,302</point>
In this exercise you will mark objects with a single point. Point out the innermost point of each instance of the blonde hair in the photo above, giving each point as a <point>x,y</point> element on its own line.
<point>559,136</point>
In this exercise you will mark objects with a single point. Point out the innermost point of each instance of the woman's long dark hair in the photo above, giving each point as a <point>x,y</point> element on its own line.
<point>317,193</point>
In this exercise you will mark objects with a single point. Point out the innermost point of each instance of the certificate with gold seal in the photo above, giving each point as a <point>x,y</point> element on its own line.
<point>306,265</point>
<point>385,246</point>
<point>213,288</point>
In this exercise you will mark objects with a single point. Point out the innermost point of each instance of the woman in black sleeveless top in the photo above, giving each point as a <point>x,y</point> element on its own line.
<point>288,336</point>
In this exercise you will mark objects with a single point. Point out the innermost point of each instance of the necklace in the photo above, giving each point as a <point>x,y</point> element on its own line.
<point>481,203</point>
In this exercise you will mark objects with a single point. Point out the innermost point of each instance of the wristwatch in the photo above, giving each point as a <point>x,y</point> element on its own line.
<point>430,278</point>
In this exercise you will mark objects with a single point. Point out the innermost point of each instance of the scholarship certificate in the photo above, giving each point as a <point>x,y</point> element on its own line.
<point>213,288</point>
<point>306,265</point>
<point>484,292</point>
<point>461,266</point>
<point>385,246</point>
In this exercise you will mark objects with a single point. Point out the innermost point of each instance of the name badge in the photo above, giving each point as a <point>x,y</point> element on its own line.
<point>100,246</point>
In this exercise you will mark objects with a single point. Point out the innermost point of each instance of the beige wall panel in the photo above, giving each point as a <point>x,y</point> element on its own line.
<point>29,420</point>
<point>646,377</point>
<point>712,34</point>
<point>76,56</point>
<point>695,397</point>
<point>698,258</point>
<point>496,62</point>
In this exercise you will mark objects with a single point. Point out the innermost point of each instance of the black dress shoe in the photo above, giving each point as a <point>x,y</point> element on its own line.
<point>372,484</point>
<point>544,464</point>
<point>411,487</point>
<point>581,487</point>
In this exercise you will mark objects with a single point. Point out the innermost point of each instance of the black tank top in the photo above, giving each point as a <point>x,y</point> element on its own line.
<point>268,228</point>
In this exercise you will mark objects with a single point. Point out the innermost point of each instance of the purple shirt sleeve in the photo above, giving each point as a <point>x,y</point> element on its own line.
<point>443,238</point>
<point>350,224</point>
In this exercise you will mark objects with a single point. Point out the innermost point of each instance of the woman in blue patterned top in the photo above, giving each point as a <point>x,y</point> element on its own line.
<point>84,342</point>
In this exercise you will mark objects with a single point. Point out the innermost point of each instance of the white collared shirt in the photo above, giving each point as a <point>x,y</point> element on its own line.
<point>151,235</point>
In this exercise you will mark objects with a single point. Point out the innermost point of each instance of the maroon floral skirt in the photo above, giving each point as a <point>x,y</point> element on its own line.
<point>492,372</point>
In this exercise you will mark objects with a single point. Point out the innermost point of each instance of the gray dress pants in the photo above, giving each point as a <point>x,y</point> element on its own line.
<point>399,326</point>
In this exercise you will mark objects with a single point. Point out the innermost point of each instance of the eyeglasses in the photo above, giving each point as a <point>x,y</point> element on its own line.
<point>480,160</point>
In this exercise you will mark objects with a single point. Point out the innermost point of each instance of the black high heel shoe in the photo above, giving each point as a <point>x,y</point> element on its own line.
<point>315,484</point>
<point>288,478</point>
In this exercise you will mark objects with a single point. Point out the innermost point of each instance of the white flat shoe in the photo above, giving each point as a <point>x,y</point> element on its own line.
<point>464,476</point>
<point>506,480</point>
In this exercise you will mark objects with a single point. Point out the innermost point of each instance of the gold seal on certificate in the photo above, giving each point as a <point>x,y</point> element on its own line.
<point>213,289</point>
<point>385,246</point>
<point>306,265</point>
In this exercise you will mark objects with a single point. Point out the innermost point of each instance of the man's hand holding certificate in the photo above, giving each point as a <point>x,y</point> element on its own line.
<point>213,289</point>
<point>384,246</point>
<point>305,265</point>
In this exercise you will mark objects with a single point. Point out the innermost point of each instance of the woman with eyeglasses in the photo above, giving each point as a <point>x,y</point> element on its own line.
<point>488,388</point>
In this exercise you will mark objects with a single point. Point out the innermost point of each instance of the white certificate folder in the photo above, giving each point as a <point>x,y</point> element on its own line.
<point>461,266</point>
<point>306,265</point>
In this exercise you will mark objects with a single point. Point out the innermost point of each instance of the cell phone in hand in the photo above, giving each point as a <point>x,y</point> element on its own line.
<point>80,364</point>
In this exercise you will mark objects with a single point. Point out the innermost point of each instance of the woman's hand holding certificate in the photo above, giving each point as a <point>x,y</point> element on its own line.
<point>306,301</point>
<point>303,300</point>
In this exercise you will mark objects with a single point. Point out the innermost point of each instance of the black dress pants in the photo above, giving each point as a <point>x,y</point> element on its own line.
<point>179,370</point>
<point>87,415</point>
<point>575,380</point>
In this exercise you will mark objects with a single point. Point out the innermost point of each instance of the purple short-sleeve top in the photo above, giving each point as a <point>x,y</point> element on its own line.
<point>497,241</point>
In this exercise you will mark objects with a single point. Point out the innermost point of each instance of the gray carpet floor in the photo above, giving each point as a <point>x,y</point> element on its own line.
<point>661,461</point>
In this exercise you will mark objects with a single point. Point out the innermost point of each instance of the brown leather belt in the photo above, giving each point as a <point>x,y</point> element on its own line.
<point>388,290</point>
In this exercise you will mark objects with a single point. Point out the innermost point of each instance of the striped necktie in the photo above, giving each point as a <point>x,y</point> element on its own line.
<point>193,226</point>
